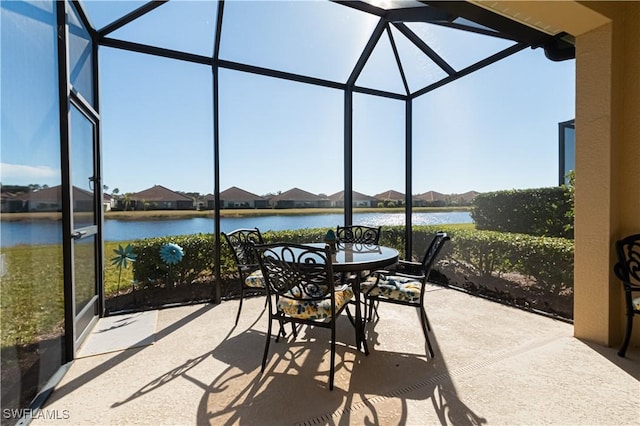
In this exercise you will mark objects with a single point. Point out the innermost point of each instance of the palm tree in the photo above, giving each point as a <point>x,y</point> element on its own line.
<point>127,200</point>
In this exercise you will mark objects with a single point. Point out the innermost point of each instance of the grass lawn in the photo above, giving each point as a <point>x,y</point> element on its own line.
<point>31,292</point>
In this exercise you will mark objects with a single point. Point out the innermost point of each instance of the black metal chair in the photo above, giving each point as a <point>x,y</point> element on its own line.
<point>405,284</point>
<point>241,242</point>
<point>627,269</point>
<point>358,234</point>
<point>301,290</point>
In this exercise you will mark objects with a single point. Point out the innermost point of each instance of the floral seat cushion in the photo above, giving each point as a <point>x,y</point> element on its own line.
<point>255,279</point>
<point>312,309</point>
<point>393,287</point>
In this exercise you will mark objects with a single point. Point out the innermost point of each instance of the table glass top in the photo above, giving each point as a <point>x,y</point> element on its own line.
<point>352,254</point>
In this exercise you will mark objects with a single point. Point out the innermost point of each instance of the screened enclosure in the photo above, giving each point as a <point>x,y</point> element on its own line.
<point>202,96</point>
<point>344,80</point>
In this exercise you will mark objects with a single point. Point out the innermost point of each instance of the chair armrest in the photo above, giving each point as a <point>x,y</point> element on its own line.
<point>407,262</point>
<point>402,265</point>
<point>249,267</point>
<point>405,266</point>
<point>349,278</point>
<point>619,271</point>
<point>383,273</point>
<point>417,277</point>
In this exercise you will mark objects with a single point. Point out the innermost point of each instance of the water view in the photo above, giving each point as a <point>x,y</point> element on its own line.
<point>49,232</point>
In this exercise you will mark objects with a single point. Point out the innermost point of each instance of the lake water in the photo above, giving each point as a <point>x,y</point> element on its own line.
<point>49,232</point>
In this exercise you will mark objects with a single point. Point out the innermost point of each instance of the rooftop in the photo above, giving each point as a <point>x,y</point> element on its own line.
<point>494,364</point>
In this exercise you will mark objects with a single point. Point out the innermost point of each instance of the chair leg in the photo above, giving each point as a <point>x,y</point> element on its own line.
<point>266,347</point>
<point>364,308</point>
<point>425,328</point>
<point>350,316</point>
<point>627,335</point>
<point>281,332</point>
<point>333,354</point>
<point>373,306</point>
<point>240,306</point>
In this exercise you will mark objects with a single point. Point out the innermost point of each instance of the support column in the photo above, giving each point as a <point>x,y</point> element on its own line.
<point>607,134</point>
<point>348,156</point>
<point>593,195</point>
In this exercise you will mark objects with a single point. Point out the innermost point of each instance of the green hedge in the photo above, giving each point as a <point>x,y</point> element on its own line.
<point>198,259</point>
<point>542,212</point>
<point>199,256</point>
<point>518,269</point>
<point>547,260</point>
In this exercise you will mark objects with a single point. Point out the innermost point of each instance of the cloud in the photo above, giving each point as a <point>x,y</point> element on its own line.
<point>12,172</point>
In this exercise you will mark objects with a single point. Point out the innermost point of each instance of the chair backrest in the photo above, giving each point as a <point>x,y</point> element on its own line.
<point>358,234</point>
<point>297,271</point>
<point>628,267</point>
<point>242,242</point>
<point>430,257</point>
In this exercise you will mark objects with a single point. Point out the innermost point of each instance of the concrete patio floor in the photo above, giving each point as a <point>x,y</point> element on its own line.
<point>493,365</point>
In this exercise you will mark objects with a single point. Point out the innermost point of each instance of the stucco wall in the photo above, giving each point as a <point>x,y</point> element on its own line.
<point>607,166</point>
<point>607,148</point>
<point>594,184</point>
<point>626,155</point>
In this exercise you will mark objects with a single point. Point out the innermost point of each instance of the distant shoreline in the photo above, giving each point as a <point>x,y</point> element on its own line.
<point>186,214</point>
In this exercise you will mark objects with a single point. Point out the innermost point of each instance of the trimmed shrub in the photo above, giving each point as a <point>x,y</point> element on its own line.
<point>484,256</point>
<point>542,212</point>
<point>198,259</point>
<point>199,256</point>
<point>547,260</point>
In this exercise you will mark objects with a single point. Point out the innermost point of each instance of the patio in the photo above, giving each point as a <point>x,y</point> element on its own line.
<point>494,364</point>
<point>198,369</point>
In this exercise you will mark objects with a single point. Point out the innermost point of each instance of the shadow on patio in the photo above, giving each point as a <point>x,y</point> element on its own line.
<point>493,365</point>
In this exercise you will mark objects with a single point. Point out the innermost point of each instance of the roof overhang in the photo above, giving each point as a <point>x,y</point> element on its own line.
<point>484,17</point>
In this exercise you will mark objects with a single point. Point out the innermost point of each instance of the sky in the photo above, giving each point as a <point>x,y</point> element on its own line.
<point>492,130</point>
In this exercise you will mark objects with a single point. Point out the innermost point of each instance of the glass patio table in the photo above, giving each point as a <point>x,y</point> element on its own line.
<point>354,258</point>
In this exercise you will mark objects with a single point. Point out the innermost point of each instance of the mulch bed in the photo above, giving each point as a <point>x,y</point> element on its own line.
<point>155,297</point>
<point>510,289</point>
